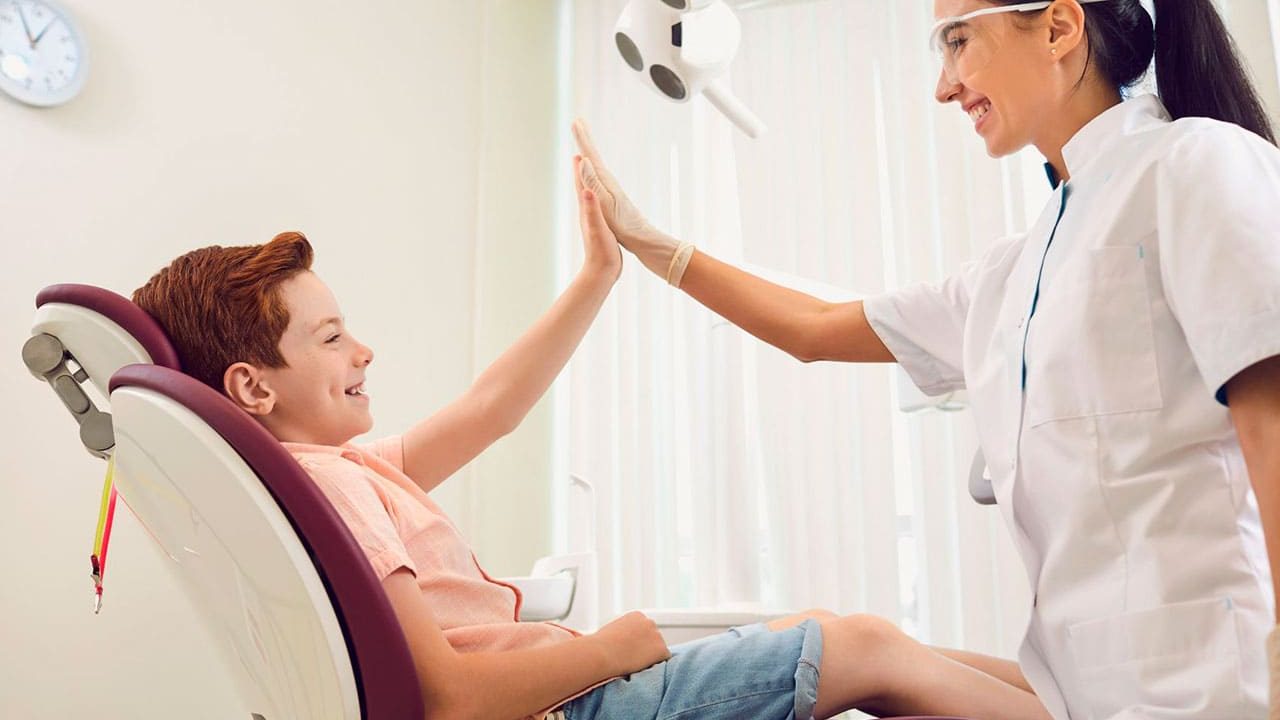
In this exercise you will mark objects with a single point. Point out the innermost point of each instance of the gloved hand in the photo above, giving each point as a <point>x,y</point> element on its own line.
<point>1273,655</point>
<point>661,253</point>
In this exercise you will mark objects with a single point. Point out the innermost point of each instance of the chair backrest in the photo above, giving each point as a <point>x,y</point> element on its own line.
<point>304,626</point>
<point>264,557</point>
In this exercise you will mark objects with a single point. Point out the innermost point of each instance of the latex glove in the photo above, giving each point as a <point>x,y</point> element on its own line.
<point>1273,655</point>
<point>662,254</point>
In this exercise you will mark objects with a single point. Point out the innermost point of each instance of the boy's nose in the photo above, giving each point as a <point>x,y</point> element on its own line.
<point>365,355</point>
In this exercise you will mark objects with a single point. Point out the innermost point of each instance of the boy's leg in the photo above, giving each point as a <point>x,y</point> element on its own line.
<point>869,664</point>
<point>1006,670</point>
<point>790,621</point>
<point>747,673</point>
<point>782,623</point>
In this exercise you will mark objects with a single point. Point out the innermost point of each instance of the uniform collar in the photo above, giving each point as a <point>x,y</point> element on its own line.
<point>344,451</point>
<point>1100,134</point>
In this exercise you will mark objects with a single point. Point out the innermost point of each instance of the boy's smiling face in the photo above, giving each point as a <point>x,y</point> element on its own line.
<point>318,397</point>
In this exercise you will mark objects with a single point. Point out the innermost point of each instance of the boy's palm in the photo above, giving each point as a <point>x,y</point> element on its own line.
<point>600,246</point>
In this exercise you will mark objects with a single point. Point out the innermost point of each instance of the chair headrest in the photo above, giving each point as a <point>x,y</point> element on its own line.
<point>120,310</point>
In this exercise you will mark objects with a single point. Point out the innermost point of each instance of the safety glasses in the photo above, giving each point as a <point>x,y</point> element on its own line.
<point>963,46</point>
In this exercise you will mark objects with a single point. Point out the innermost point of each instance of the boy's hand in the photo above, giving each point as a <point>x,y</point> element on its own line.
<point>632,643</point>
<point>602,256</point>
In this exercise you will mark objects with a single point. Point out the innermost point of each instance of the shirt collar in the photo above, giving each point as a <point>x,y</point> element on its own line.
<point>345,451</point>
<point>1100,134</point>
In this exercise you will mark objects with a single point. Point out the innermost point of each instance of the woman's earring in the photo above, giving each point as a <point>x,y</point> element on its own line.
<point>1053,51</point>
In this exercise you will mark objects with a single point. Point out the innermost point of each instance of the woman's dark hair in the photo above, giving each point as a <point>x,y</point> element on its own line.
<point>1198,69</point>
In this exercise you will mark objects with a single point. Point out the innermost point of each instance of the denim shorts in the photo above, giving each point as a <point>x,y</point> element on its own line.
<point>747,672</point>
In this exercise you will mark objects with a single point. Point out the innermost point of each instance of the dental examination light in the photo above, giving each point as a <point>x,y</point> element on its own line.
<point>683,48</point>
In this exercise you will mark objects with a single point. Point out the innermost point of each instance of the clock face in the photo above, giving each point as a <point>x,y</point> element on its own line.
<point>43,60</point>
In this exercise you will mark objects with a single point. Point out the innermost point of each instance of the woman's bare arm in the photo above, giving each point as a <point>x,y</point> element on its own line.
<point>801,325</point>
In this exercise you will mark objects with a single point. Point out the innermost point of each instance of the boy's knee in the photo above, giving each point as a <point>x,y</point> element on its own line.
<point>791,621</point>
<point>869,631</point>
<point>818,614</point>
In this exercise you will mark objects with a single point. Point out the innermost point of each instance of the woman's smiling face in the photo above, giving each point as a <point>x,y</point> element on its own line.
<point>996,71</point>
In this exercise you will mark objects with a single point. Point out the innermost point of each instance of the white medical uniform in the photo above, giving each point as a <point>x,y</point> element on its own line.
<point>1095,349</point>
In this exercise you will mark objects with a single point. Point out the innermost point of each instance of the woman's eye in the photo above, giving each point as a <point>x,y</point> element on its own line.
<point>955,43</point>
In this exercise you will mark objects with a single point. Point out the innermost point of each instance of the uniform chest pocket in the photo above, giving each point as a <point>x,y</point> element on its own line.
<point>1091,347</point>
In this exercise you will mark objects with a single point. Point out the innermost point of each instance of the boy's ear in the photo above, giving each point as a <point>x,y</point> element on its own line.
<point>248,389</point>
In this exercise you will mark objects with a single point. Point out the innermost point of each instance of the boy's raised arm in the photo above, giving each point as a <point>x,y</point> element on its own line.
<point>504,393</point>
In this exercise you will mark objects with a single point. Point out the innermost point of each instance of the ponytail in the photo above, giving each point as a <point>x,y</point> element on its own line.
<point>1198,68</point>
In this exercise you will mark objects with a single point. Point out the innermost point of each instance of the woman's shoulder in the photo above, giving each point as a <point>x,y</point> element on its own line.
<point>1199,144</point>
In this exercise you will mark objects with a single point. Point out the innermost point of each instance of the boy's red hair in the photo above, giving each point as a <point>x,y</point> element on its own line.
<point>222,305</point>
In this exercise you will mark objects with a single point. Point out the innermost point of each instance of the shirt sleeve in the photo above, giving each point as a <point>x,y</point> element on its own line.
<point>390,449</point>
<point>1218,219</point>
<point>923,325</point>
<point>364,513</point>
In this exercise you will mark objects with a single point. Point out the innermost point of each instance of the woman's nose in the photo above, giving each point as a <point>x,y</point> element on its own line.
<point>946,91</point>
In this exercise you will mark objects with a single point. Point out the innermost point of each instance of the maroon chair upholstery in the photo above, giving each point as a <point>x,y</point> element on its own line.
<point>120,310</point>
<point>383,667</point>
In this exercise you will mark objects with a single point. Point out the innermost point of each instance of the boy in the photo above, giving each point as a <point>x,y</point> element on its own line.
<point>254,323</point>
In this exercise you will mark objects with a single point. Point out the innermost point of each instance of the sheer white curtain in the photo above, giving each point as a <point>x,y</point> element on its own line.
<point>727,474</point>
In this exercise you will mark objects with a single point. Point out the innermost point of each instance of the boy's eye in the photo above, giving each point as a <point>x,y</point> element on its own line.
<point>334,338</point>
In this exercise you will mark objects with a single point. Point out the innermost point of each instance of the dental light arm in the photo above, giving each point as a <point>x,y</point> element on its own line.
<point>683,48</point>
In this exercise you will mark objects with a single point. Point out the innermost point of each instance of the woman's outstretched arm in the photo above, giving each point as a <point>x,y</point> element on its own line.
<point>801,325</point>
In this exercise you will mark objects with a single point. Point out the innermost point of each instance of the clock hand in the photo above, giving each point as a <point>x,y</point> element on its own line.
<point>36,39</point>
<point>25,27</point>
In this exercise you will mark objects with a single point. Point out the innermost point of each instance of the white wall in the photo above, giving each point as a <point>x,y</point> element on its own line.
<point>523,163</point>
<point>226,122</point>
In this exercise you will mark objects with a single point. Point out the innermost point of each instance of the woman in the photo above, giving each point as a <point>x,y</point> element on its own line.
<point>1100,349</point>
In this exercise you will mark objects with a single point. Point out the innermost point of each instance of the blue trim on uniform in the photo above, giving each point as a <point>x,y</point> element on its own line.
<point>1035,300</point>
<point>1053,175</point>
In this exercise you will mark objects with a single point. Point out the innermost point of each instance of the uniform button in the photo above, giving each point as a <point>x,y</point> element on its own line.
<point>1021,322</point>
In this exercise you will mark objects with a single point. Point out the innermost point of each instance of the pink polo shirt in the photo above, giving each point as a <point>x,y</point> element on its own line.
<point>399,526</point>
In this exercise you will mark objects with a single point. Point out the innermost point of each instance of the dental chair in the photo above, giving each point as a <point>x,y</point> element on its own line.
<point>305,630</point>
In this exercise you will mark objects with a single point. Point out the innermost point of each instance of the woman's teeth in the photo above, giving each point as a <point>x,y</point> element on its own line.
<point>979,111</point>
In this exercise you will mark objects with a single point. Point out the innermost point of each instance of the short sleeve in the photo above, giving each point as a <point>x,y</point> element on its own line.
<point>359,506</point>
<point>390,449</point>
<point>1218,224</point>
<point>923,325</point>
